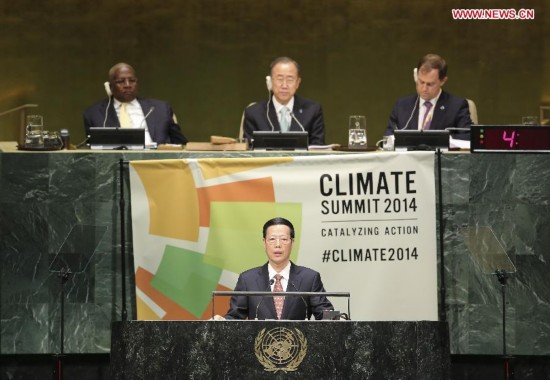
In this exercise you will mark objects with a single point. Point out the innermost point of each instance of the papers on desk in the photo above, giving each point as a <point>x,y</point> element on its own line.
<point>323,147</point>
<point>459,144</point>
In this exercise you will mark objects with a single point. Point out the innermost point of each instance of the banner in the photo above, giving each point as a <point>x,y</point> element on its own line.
<point>366,222</point>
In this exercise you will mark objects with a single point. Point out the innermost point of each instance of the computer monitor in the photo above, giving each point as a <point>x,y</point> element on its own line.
<point>116,138</point>
<point>273,140</point>
<point>421,139</point>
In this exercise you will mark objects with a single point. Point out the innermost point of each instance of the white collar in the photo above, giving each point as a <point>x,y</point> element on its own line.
<point>434,100</point>
<point>278,106</point>
<point>285,272</point>
<point>117,103</point>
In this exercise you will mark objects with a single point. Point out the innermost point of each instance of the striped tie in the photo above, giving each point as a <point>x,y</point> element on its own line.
<point>427,121</point>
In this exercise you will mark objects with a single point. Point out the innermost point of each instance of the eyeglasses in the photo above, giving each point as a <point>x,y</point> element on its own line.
<point>283,240</point>
<point>123,81</point>
<point>289,81</point>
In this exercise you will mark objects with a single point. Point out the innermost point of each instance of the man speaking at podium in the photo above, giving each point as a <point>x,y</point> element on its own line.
<point>123,109</point>
<point>279,274</point>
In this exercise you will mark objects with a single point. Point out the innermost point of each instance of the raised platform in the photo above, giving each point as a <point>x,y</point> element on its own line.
<point>274,349</point>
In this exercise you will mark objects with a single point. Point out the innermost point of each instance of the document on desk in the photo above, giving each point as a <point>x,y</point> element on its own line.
<point>459,144</point>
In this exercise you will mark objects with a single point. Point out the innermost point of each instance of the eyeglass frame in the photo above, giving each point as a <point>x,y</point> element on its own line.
<point>290,81</point>
<point>284,240</point>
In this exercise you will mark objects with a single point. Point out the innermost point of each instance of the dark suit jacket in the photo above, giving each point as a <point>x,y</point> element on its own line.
<point>160,121</point>
<point>449,112</point>
<point>309,113</point>
<point>301,279</point>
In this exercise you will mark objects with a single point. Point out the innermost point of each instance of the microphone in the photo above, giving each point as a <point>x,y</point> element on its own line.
<point>146,128</point>
<point>146,116</point>
<point>263,297</point>
<point>305,303</point>
<point>412,113</point>
<point>300,124</point>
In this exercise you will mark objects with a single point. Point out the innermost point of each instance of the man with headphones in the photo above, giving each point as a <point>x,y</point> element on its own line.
<point>122,108</point>
<point>431,108</point>
<point>284,110</point>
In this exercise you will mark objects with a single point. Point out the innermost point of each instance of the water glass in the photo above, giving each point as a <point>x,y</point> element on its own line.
<point>34,137</point>
<point>357,132</point>
<point>530,120</point>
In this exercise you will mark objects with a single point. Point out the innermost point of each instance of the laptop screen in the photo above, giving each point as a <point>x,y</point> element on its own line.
<point>116,138</point>
<point>268,140</point>
<point>421,140</point>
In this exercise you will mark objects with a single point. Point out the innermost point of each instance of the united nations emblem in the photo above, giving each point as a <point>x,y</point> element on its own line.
<point>280,349</point>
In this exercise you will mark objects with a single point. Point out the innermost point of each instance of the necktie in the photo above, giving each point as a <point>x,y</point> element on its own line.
<point>279,301</point>
<point>427,121</point>
<point>124,116</point>
<point>284,119</point>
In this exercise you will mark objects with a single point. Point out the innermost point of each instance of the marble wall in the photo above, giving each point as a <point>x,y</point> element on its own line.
<point>42,195</point>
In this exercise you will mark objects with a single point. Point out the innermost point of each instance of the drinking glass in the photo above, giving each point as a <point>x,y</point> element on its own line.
<point>357,132</point>
<point>530,120</point>
<point>34,137</point>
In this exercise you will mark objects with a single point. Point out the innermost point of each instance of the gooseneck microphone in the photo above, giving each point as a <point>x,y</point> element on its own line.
<point>146,116</point>
<point>305,303</point>
<point>412,113</point>
<point>144,125</point>
<point>300,124</point>
<point>263,297</point>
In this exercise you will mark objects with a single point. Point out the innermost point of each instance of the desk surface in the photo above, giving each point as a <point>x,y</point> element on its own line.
<point>11,147</point>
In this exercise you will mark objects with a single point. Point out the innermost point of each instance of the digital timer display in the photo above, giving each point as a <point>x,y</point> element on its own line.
<point>510,138</point>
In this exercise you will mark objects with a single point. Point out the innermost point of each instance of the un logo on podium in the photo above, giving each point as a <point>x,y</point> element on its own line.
<point>280,349</point>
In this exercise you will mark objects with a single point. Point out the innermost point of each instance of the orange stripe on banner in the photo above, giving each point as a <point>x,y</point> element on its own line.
<point>219,167</point>
<point>254,190</point>
<point>173,310</point>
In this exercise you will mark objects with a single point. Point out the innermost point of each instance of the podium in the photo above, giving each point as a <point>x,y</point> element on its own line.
<point>279,349</point>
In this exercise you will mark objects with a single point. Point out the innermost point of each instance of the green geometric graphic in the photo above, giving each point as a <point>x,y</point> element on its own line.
<point>183,277</point>
<point>235,234</point>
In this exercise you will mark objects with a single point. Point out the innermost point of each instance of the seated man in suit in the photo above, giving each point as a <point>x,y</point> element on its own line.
<point>124,109</point>
<point>278,274</point>
<point>431,107</point>
<point>285,111</point>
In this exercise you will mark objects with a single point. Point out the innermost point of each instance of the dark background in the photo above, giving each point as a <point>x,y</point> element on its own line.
<point>209,58</point>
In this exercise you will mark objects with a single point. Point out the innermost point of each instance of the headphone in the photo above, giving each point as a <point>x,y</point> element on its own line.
<point>107,87</point>
<point>269,86</point>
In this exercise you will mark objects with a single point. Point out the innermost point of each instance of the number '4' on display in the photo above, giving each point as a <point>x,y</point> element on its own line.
<point>509,139</point>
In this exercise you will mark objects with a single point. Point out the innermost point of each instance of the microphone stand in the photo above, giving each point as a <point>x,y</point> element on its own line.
<point>502,277</point>
<point>63,275</point>
<point>246,293</point>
